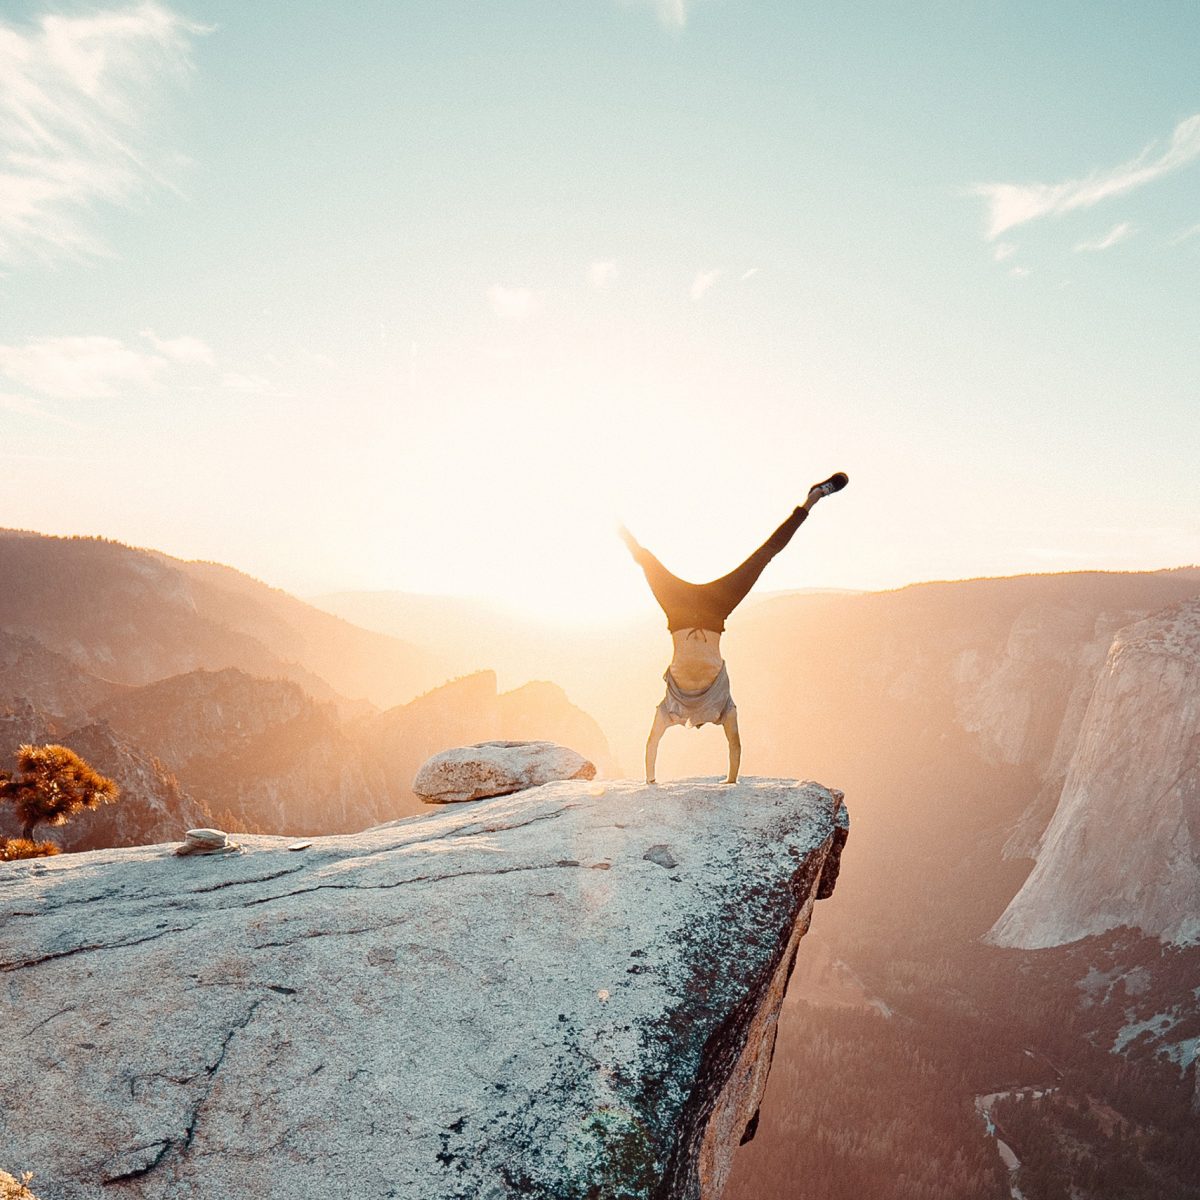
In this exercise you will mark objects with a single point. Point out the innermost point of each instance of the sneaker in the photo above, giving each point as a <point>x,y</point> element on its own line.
<point>834,483</point>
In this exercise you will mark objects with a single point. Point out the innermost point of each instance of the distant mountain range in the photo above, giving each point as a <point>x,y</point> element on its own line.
<point>211,697</point>
<point>136,616</point>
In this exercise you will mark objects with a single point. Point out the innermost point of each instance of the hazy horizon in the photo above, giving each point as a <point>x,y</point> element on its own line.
<point>638,605</point>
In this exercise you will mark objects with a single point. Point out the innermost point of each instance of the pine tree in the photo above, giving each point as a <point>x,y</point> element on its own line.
<point>53,784</point>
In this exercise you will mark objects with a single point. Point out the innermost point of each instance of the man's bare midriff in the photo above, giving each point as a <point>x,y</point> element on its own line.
<point>697,661</point>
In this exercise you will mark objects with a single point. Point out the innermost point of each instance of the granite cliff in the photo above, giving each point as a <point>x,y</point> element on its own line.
<point>1123,847</point>
<point>567,992</point>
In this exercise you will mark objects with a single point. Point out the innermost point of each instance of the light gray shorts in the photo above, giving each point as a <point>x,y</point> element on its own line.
<point>712,704</point>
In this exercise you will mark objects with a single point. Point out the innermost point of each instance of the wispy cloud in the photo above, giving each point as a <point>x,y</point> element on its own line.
<point>703,282</point>
<point>1019,272</point>
<point>601,274</point>
<point>1185,234</point>
<point>513,304</point>
<point>94,367</point>
<point>249,384</point>
<point>25,407</point>
<point>79,368</point>
<point>750,274</point>
<point>1003,250</point>
<point>1012,204</point>
<point>189,350</point>
<point>671,13</point>
<point>78,98</point>
<point>1118,233</point>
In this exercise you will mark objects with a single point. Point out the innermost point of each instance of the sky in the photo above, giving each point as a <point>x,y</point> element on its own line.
<point>432,296</point>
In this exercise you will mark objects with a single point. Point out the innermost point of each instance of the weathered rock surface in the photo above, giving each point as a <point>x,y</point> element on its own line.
<point>496,769</point>
<point>503,1000</point>
<point>1123,847</point>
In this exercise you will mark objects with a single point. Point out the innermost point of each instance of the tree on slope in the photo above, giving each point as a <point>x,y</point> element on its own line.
<point>53,784</point>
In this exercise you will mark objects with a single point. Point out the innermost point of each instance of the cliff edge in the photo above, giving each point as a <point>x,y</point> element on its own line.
<point>567,992</point>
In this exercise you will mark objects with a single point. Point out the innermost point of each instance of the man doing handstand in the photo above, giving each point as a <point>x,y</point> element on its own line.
<point>697,680</point>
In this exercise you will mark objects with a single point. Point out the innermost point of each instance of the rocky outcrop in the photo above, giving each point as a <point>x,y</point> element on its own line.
<point>511,998</point>
<point>496,769</point>
<point>1123,847</point>
<point>471,710</point>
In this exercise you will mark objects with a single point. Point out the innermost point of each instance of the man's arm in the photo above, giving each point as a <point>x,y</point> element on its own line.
<point>659,727</point>
<point>729,721</point>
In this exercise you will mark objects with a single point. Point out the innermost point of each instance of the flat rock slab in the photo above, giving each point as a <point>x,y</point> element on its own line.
<point>496,769</point>
<point>518,998</point>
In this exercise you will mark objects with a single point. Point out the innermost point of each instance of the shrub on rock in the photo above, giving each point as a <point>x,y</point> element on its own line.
<point>53,784</point>
<point>15,1189</point>
<point>13,848</point>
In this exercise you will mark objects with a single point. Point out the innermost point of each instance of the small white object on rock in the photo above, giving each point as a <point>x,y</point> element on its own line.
<point>496,769</point>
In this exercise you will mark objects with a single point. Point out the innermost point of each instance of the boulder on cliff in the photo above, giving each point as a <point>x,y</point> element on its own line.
<point>496,769</point>
<point>514,998</point>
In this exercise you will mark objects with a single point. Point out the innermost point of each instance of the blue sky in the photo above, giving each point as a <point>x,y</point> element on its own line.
<point>430,295</point>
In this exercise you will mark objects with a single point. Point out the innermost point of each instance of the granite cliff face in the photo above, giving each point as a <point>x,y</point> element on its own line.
<point>1123,847</point>
<point>570,992</point>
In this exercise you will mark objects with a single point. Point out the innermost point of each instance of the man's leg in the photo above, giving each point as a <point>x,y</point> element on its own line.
<point>730,590</point>
<point>671,592</point>
<point>730,724</point>
<point>660,726</point>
